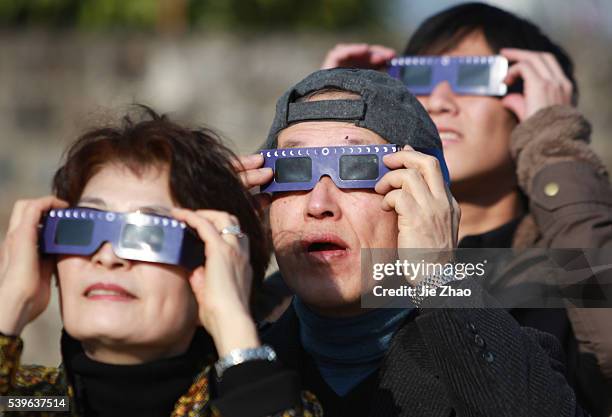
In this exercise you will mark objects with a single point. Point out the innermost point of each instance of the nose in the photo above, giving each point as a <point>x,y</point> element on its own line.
<point>105,257</point>
<point>322,201</point>
<point>441,100</point>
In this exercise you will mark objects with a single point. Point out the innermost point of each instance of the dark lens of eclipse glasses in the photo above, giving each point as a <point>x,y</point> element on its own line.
<point>293,170</point>
<point>358,167</point>
<point>74,232</point>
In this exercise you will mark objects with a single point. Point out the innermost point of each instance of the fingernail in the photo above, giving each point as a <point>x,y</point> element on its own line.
<point>264,170</point>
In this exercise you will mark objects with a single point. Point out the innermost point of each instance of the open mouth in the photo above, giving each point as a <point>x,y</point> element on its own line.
<point>325,247</point>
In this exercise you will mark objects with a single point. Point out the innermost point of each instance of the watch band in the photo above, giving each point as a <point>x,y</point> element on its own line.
<point>238,356</point>
<point>429,281</point>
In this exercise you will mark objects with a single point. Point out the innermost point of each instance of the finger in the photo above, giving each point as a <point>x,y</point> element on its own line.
<point>538,92</point>
<point>340,54</point>
<point>553,65</point>
<point>218,218</point>
<point>30,213</point>
<point>380,54</point>
<point>357,56</point>
<point>16,215</point>
<point>558,74</point>
<point>255,177</point>
<point>539,61</point>
<point>383,51</point>
<point>350,49</point>
<point>534,58</point>
<point>524,70</point>
<point>204,227</point>
<point>409,180</point>
<point>3,259</point>
<point>222,220</point>
<point>401,202</point>
<point>427,165</point>
<point>515,102</point>
<point>247,162</point>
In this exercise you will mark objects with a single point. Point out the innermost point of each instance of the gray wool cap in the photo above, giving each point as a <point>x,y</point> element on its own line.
<point>385,107</point>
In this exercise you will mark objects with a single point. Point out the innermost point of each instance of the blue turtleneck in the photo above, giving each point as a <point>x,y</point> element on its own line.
<point>347,350</point>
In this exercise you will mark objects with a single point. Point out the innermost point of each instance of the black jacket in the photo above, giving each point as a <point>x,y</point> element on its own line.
<point>446,362</point>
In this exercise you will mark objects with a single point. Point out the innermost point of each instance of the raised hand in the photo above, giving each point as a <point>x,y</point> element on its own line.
<point>358,55</point>
<point>25,277</point>
<point>222,286</point>
<point>544,83</point>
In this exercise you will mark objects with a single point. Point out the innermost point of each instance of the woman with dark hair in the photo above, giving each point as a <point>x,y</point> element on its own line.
<point>148,234</point>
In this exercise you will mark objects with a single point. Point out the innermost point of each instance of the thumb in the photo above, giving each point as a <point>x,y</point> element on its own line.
<point>516,104</point>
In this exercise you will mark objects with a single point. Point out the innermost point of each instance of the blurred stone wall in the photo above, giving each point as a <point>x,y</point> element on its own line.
<point>53,86</point>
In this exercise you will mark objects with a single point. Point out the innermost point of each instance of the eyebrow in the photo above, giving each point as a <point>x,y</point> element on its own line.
<point>296,143</point>
<point>93,201</point>
<point>149,209</point>
<point>161,210</point>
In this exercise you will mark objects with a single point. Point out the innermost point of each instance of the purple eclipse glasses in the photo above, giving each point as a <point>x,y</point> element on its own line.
<point>469,75</point>
<point>298,169</point>
<point>136,236</point>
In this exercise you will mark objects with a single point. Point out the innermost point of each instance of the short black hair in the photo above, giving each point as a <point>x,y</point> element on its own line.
<point>446,29</point>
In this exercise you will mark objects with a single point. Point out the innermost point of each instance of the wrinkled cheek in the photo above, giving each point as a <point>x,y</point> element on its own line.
<point>387,230</point>
<point>283,225</point>
<point>375,227</point>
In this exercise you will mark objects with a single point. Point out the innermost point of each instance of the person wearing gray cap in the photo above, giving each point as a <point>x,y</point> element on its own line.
<point>540,185</point>
<point>418,360</point>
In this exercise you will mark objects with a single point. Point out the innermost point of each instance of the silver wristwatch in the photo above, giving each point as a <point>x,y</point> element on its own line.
<point>238,356</point>
<point>429,281</point>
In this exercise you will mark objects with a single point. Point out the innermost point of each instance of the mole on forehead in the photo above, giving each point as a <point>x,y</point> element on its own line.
<point>309,134</point>
<point>297,143</point>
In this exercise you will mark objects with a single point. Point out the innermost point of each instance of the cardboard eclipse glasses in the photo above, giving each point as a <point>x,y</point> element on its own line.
<point>300,169</point>
<point>467,75</point>
<point>160,239</point>
<point>136,236</point>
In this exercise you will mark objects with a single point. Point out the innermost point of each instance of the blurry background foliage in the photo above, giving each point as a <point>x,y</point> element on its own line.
<point>193,14</point>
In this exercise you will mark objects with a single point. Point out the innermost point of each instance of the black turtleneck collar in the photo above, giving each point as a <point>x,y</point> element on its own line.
<point>500,237</point>
<point>149,389</point>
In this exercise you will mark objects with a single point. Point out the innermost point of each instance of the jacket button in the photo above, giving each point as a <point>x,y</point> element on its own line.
<point>551,189</point>
<point>471,327</point>
<point>479,341</point>
<point>488,356</point>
